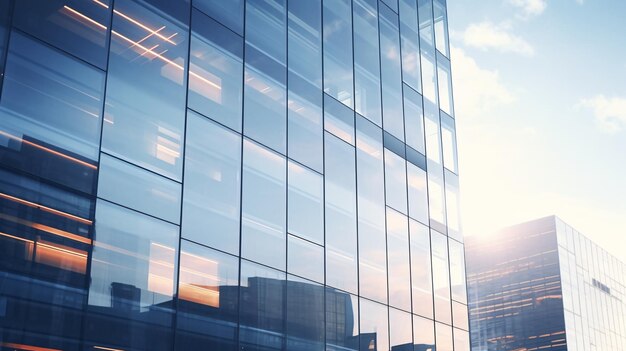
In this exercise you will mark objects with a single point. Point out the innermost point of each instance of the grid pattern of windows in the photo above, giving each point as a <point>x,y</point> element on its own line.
<point>241,174</point>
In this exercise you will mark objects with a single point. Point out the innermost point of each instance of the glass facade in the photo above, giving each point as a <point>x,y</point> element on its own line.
<point>228,175</point>
<point>541,285</point>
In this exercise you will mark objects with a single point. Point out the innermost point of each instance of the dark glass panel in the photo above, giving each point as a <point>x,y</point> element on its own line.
<point>305,315</point>
<point>5,21</point>
<point>229,13</point>
<point>264,207</point>
<point>211,201</point>
<point>131,186</point>
<point>215,71</point>
<point>76,26</point>
<point>40,85</point>
<point>208,296</point>
<point>132,281</point>
<point>262,311</point>
<point>146,85</point>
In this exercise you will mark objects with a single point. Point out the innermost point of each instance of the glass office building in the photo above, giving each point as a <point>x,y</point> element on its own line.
<point>542,285</point>
<point>228,175</point>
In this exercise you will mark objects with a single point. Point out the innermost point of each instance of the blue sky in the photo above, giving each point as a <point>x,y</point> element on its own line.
<point>540,96</point>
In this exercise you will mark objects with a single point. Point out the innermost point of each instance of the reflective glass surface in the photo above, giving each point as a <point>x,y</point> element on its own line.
<point>306,203</point>
<point>398,260</point>
<point>215,71</point>
<point>418,193</point>
<point>414,119</point>
<point>410,44</point>
<point>342,321</point>
<point>229,13</point>
<point>421,274</point>
<point>395,181</point>
<point>263,228</point>
<point>423,334</point>
<point>338,72</point>
<point>374,326</point>
<point>304,315</point>
<point>443,335</point>
<point>146,80</point>
<point>338,119</point>
<point>211,188</point>
<point>400,330</point>
<point>444,79</point>
<point>441,25</point>
<point>391,72</point>
<point>305,259</point>
<point>441,278</point>
<point>366,65</point>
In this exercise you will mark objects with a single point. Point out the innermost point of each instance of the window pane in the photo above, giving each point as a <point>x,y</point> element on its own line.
<point>398,260</point>
<point>457,272</point>
<point>429,75</point>
<point>441,278</point>
<point>400,330</point>
<point>305,129</point>
<point>441,26</point>
<point>265,116</point>
<point>423,334</point>
<point>418,193</point>
<point>444,337</point>
<point>44,245</point>
<point>436,196</point>
<point>261,311</point>
<point>264,196</point>
<point>132,276</point>
<point>211,206</point>
<point>461,340</point>
<point>391,71</point>
<point>304,315</point>
<point>453,205</point>
<point>338,119</point>
<point>306,203</point>
<point>395,181</point>
<point>410,44</point>
<point>145,100</point>
<point>340,209</point>
<point>229,13</point>
<point>448,138</point>
<point>421,276</point>
<point>371,197</point>
<point>40,85</point>
<point>366,63</point>
<point>305,40</point>
<point>133,187</point>
<point>207,299</point>
<point>338,75</point>
<point>75,26</point>
<point>459,316</point>
<point>425,11</point>
<point>215,71</point>
<point>433,137</point>
<point>5,20</point>
<point>374,326</point>
<point>305,259</point>
<point>444,78</point>
<point>342,321</point>
<point>414,120</point>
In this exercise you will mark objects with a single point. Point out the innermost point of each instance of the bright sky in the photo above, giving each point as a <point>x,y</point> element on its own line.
<point>540,96</point>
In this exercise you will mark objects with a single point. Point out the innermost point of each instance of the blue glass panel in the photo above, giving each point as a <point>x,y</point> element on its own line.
<point>418,193</point>
<point>453,206</point>
<point>132,280</point>
<point>391,72</point>
<point>305,259</point>
<point>338,75</point>
<point>423,334</point>
<point>75,26</point>
<point>229,13</point>
<point>374,326</point>
<point>421,275</point>
<point>400,330</point>
<point>133,187</point>
<point>264,206</point>
<point>305,315</point>
<point>44,245</point>
<point>211,201</point>
<point>306,203</point>
<point>398,260</point>
<point>5,18</point>
<point>441,278</point>
<point>305,130</point>
<point>414,120</point>
<point>371,201</point>
<point>409,41</point>
<point>145,100</point>
<point>342,321</point>
<point>340,195</point>
<point>33,137</point>
<point>366,62</point>
<point>448,141</point>
<point>305,40</point>
<point>262,309</point>
<point>395,181</point>
<point>338,119</point>
<point>215,71</point>
<point>207,299</point>
<point>266,28</point>
<point>393,4</point>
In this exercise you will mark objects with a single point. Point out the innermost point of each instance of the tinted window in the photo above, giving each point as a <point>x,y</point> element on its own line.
<point>398,260</point>
<point>409,41</point>
<point>342,320</point>
<point>338,76</point>
<point>391,71</point>
<point>395,181</point>
<point>229,13</point>
<point>305,259</point>
<point>304,315</point>
<point>306,203</point>
<point>366,63</point>
<point>418,193</point>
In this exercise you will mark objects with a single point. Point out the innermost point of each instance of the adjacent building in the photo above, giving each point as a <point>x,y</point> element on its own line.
<point>541,285</point>
<point>228,175</point>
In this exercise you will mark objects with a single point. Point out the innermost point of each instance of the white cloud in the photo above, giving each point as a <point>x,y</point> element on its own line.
<point>476,90</point>
<point>530,7</point>
<point>487,35</point>
<point>610,113</point>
